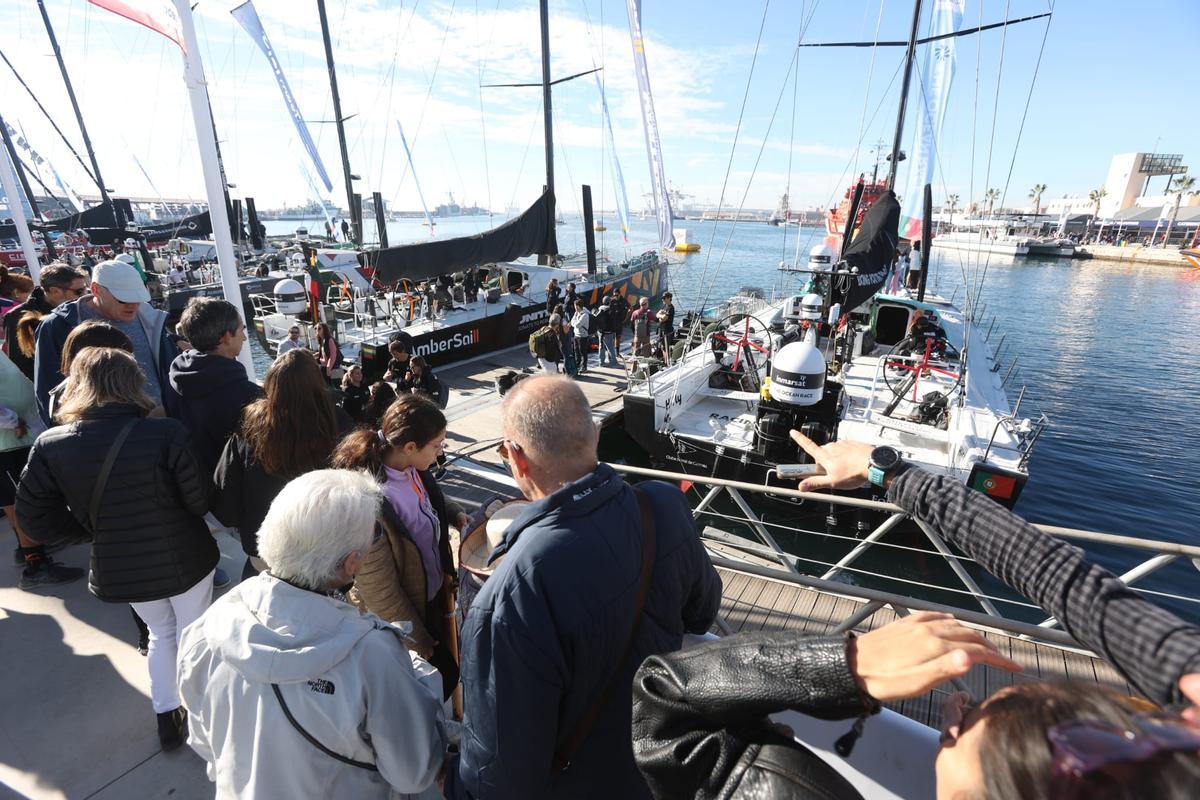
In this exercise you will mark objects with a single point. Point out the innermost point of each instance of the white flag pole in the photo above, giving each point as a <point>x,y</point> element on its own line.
<point>8,179</point>
<point>193,76</point>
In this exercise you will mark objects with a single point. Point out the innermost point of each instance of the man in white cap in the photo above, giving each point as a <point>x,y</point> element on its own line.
<point>119,297</point>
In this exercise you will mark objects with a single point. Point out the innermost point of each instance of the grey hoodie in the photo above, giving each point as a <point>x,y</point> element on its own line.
<point>346,678</point>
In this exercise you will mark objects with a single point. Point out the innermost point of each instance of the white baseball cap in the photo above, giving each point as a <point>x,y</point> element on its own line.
<point>122,281</point>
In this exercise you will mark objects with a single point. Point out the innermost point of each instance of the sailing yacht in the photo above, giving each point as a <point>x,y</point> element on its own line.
<point>861,351</point>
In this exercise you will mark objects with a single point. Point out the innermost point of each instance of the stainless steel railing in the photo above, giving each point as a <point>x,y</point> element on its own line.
<point>1157,553</point>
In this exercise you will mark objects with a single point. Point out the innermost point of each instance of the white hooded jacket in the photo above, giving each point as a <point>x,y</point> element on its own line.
<point>346,678</point>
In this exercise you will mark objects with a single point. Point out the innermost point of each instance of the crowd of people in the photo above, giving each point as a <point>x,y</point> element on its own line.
<point>564,344</point>
<point>329,667</point>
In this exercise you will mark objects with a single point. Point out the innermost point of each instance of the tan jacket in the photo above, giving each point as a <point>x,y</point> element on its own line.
<point>391,584</point>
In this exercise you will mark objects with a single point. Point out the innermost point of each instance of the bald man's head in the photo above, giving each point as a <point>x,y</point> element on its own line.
<point>549,418</point>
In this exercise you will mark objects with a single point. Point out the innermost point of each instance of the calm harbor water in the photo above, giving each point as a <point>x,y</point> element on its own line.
<point>1106,350</point>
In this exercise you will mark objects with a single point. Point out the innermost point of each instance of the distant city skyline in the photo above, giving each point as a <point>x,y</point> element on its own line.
<point>1101,89</point>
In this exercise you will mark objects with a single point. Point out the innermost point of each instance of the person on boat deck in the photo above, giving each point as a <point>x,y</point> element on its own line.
<point>292,429</point>
<point>400,352</point>
<point>355,393</point>
<point>210,386</point>
<point>60,283</point>
<point>553,354</point>
<point>609,320</point>
<point>666,321</point>
<point>640,320</point>
<point>288,684</point>
<point>419,379</point>
<point>345,231</point>
<point>620,308</point>
<point>144,517</point>
<point>581,325</point>
<point>702,727</point>
<point>292,342</point>
<point>328,353</point>
<point>553,293</point>
<point>541,641</point>
<point>118,297</point>
<point>409,570</point>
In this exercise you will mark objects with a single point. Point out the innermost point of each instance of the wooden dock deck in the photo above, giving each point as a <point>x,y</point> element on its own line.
<point>753,603</point>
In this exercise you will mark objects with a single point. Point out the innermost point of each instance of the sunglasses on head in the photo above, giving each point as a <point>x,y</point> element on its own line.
<point>1084,747</point>
<point>506,448</point>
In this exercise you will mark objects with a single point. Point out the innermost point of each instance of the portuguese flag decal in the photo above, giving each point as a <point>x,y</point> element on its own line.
<point>1002,485</point>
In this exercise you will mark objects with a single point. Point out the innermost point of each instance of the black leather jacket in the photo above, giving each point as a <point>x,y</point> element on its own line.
<point>700,726</point>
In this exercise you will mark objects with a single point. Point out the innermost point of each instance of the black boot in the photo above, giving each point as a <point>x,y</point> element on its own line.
<point>172,729</point>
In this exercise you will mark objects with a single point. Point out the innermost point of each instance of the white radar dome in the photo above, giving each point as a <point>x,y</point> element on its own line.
<point>290,297</point>
<point>812,307</point>
<point>821,258</point>
<point>798,374</point>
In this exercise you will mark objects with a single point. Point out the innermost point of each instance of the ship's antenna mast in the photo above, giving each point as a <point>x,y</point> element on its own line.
<point>877,149</point>
<point>910,54</point>
<point>355,229</point>
<point>87,142</point>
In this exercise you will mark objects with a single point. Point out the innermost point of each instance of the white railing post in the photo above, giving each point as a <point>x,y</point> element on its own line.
<point>1140,571</point>
<point>866,543</point>
<point>958,568</point>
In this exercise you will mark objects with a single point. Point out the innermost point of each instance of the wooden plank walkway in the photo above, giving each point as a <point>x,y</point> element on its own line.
<point>753,603</point>
<point>473,409</point>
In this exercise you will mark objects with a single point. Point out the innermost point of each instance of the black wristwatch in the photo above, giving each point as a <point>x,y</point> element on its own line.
<point>884,460</point>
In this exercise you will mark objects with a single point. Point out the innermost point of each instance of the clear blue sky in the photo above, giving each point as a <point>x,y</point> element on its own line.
<point>1115,77</point>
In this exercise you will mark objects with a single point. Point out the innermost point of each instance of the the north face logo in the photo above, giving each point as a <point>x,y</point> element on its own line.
<point>321,685</point>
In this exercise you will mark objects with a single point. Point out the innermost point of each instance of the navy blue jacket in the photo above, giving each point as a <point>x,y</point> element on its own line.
<point>57,325</point>
<point>540,639</point>
<point>210,392</point>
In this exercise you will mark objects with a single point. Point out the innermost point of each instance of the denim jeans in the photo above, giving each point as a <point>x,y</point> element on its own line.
<point>608,344</point>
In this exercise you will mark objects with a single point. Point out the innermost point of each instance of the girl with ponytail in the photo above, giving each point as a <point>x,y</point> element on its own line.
<point>409,569</point>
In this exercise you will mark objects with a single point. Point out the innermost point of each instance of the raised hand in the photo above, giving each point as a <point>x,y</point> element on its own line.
<point>910,656</point>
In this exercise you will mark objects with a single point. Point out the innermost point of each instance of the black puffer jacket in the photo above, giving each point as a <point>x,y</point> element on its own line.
<point>700,726</point>
<point>150,540</point>
<point>211,391</point>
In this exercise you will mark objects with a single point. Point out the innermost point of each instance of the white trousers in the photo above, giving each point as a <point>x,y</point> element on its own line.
<point>548,366</point>
<point>166,620</point>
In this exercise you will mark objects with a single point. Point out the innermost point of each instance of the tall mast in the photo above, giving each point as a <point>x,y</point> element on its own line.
<point>87,142</point>
<point>341,130</point>
<point>910,54</point>
<point>547,117</point>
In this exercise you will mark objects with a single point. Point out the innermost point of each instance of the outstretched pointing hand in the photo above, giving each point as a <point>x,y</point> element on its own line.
<point>842,465</point>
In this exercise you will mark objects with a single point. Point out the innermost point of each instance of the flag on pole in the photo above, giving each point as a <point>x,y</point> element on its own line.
<point>157,15</point>
<point>247,17</point>
<point>936,77</point>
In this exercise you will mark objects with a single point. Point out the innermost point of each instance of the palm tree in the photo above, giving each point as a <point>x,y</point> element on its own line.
<point>1035,194</point>
<point>991,196</point>
<point>1095,196</point>
<point>1181,185</point>
<point>952,206</point>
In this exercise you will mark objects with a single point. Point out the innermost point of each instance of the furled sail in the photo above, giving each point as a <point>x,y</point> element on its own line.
<point>532,232</point>
<point>618,177</point>
<point>247,17</point>
<point>196,226</point>
<point>871,253</point>
<point>413,168</point>
<point>662,197</point>
<point>936,76</point>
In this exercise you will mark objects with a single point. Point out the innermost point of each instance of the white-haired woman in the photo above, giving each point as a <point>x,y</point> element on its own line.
<point>346,707</point>
<point>129,484</point>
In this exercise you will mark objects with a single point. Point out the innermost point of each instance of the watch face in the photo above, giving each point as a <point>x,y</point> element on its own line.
<point>885,458</point>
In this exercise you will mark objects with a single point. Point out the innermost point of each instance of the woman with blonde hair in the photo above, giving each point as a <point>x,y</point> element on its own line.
<point>129,484</point>
<point>406,574</point>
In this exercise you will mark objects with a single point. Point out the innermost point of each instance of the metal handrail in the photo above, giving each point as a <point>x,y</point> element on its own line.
<point>1150,545</point>
<point>895,600</point>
